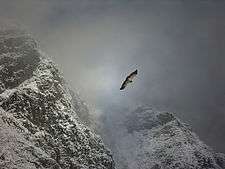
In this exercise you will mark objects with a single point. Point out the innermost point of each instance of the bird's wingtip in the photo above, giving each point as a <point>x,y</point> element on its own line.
<point>121,88</point>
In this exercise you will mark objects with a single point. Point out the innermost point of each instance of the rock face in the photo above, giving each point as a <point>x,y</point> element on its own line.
<point>40,125</point>
<point>158,140</point>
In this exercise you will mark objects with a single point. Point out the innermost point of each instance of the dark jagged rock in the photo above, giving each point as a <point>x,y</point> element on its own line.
<point>39,125</point>
<point>149,139</point>
<point>220,159</point>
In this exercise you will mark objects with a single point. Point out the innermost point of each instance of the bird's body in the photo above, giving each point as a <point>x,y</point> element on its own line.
<point>129,79</point>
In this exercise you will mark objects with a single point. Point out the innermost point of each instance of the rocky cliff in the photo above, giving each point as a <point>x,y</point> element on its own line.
<point>40,125</point>
<point>150,139</point>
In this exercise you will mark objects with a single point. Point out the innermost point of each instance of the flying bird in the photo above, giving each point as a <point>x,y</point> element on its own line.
<point>129,79</point>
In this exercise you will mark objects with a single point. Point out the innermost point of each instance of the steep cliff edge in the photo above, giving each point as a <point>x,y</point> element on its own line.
<point>150,139</point>
<point>39,122</point>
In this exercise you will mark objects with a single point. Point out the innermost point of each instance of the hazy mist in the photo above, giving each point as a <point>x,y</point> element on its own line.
<point>177,46</point>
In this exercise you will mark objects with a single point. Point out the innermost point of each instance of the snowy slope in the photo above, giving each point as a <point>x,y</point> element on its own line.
<point>149,139</point>
<point>40,126</point>
<point>18,152</point>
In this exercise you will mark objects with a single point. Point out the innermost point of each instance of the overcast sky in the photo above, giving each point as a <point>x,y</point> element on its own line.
<point>177,46</point>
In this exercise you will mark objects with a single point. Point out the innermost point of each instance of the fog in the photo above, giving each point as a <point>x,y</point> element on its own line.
<point>177,46</point>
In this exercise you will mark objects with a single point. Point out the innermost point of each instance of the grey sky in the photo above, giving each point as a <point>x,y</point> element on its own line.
<point>178,47</point>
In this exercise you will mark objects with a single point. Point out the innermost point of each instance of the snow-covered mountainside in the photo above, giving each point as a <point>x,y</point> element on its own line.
<point>149,139</point>
<point>40,125</point>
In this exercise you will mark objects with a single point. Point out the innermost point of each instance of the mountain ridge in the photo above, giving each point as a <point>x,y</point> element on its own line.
<point>152,139</point>
<point>37,107</point>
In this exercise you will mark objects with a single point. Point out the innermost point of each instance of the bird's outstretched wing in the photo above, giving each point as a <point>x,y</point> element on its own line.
<point>128,79</point>
<point>124,84</point>
<point>132,75</point>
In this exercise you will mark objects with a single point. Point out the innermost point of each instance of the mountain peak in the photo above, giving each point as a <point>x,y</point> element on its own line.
<point>151,139</point>
<point>40,126</point>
